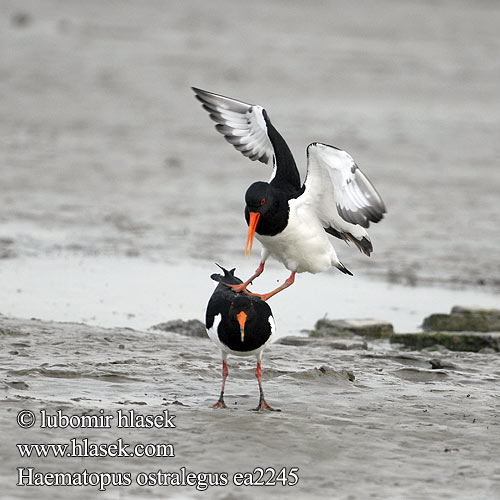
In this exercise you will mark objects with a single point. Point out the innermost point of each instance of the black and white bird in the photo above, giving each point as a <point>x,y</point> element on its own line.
<point>292,220</point>
<point>239,324</point>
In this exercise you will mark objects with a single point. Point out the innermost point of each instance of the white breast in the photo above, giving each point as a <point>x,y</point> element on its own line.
<point>303,246</point>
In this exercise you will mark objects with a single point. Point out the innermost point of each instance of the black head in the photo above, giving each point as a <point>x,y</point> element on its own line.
<point>243,314</point>
<point>259,197</point>
<point>243,303</point>
<point>262,204</point>
<point>246,321</point>
<point>266,210</point>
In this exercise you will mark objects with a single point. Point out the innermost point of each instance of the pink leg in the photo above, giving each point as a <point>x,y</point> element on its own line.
<point>266,296</point>
<point>243,286</point>
<point>225,372</point>
<point>262,402</point>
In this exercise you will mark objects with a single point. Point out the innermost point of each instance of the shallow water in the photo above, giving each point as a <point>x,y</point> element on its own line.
<point>138,293</point>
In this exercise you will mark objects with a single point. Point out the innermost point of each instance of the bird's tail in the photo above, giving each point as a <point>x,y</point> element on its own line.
<point>226,272</point>
<point>228,278</point>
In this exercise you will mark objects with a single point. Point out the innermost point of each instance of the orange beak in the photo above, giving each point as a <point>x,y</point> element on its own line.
<point>242,317</point>
<point>252,226</point>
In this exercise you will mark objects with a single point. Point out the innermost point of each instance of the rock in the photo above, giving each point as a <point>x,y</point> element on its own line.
<point>454,341</point>
<point>371,328</point>
<point>464,319</point>
<point>326,370</point>
<point>440,364</point>
<point>487,350</point>
<point>436,364</point>
<point>343,344</point>
<point>189,328</point>
<point>18,384</point>
<point>348,375</point>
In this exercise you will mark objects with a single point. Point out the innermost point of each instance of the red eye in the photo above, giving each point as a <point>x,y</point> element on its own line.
<point>262,201</point>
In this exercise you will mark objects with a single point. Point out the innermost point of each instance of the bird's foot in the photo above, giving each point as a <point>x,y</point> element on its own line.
<point>243,286</point>
<point>262,296</point>
<point>266,296</point>
<point>265,406</point>
<point>219,404</point>
<point>239,288</point>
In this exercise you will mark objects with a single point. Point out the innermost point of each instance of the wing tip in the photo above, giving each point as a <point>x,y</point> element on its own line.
<point>199,91</point>
<point>365,245</point>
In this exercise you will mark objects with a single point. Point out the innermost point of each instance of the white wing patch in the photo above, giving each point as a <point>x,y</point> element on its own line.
<point>243,125</point>
<point>273,326</point>
<point>212,331</point>
<point>342,196</point>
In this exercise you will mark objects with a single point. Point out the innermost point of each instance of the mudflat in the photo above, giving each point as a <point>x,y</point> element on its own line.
<point>379,423</point>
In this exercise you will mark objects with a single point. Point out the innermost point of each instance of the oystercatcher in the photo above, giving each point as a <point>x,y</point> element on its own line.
<point>238,324</point>
<point>290,219</point>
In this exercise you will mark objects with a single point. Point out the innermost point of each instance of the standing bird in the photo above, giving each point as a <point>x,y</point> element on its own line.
<point>238,324</point>
<point>289,219</point>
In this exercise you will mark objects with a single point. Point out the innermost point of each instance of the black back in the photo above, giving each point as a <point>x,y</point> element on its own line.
<point>257,326</point>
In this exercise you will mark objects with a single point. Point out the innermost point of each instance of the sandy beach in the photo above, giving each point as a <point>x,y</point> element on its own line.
<point>118,196</point>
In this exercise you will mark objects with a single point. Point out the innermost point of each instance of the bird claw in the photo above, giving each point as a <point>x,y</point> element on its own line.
<point>265,406</point>
<point>219,404</point>
<point>243,289</point>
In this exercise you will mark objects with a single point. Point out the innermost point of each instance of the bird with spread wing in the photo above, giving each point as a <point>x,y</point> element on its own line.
<point>291,220</point>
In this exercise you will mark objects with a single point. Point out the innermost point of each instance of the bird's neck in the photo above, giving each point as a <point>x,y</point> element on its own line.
<point>287,176</point>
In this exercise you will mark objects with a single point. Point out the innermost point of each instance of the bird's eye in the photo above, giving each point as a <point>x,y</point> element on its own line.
<point>262,201</point>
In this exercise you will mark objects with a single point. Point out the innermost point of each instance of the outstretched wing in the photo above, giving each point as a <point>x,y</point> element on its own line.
<point>242,124</point>
<point>342,196</point>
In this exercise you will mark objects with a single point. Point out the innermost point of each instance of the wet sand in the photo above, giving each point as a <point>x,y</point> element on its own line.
<point>399,430</point>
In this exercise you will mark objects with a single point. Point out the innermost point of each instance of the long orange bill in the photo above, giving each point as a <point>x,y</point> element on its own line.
<point>242,317</point>
<point>252,226</point>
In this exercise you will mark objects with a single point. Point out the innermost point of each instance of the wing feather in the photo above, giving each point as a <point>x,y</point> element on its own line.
<point>242,124</point>
<point>342,196</point>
